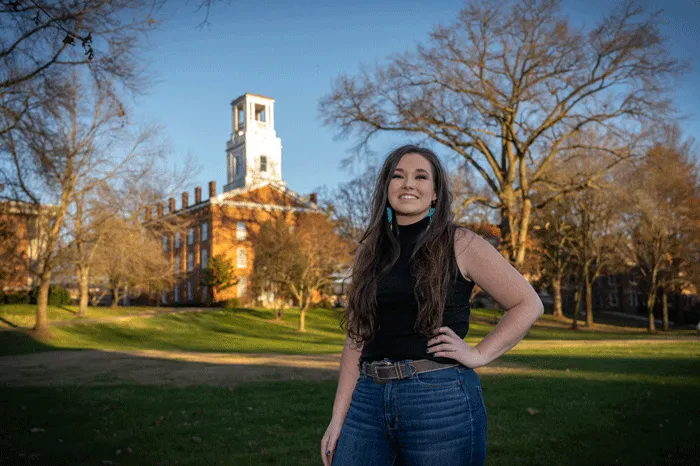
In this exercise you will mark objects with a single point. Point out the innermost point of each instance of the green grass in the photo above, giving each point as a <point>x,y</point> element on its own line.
<point>24,315</point>
<point>601,397</point>
<point>246,330</point>
<point>649,416</point>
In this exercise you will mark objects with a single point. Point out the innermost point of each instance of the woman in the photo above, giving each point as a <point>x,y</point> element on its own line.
<point>407,392</point>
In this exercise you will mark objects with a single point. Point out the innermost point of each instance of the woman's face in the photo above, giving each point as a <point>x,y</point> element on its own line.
<point>411,188</point>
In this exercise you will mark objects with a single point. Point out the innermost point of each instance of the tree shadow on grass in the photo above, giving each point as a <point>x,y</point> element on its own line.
<point>64,308</point>
<point>11,324</point>
<point>21,341</point>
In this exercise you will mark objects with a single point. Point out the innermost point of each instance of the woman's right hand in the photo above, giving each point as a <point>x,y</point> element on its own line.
<point>329,441</point>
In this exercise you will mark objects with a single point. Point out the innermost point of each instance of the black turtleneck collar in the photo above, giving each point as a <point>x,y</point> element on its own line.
<point>413,230</point>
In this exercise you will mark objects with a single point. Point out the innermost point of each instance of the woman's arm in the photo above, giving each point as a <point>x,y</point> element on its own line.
<point>494,274</point>
<point>483,264</point>
<point>349,373</point>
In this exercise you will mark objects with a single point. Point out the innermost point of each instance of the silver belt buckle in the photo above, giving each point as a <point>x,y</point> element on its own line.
<point>387,363</point>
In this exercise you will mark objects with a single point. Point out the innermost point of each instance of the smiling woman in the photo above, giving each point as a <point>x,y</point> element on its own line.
<point>406,320</point>
<point>411,191</point>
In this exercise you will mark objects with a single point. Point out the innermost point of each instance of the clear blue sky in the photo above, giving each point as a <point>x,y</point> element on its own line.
<point>293,51</point>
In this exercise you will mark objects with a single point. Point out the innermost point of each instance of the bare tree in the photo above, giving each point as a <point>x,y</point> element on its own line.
<point>593,240</point>
<point>277,260</point>
<point>553,232</point>
<point>130,258</point>
<point>322,255</point>
<point>508,87</point>
<point>59,157</point>
<point>350,204</point>
<point>663,199</point>
<point>299,263</point>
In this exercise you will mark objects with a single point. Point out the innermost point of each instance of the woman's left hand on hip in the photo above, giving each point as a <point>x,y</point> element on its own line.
<point>447,344</point>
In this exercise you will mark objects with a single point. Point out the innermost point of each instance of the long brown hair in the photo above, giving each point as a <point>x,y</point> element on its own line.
<point>432,261</point>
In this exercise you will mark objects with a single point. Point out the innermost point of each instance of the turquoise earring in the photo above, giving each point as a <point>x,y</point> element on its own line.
<point>430,214</point>
<point>389,214</point>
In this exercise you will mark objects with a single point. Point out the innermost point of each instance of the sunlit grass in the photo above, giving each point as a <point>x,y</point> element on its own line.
<point>24,315</point>
<point>255,330</point>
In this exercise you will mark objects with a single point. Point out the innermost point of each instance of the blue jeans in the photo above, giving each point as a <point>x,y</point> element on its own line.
<point>433,418</point>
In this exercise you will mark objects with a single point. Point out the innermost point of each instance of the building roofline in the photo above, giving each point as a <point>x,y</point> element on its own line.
<point>242,97</point>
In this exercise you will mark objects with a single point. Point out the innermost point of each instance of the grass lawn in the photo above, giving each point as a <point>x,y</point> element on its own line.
<point>561,397</point>
<point>24,315</point>
<point>249,330</point>
<point>605,410</point>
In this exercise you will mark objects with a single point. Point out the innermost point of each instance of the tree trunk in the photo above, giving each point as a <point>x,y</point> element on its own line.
<point>556,289</point>
<point>42,305</point>
<point>279,311</point>
<point>577,306</point>
<point>651,300</point>
<point>302,315</point>
<point>664,300</point>
<point>522,234</point>
<point>115,297</point>
<point>83,282</point>
<point>589,301</point>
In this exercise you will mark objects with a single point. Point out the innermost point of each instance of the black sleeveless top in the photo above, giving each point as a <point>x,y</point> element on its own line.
<point>397,307</point>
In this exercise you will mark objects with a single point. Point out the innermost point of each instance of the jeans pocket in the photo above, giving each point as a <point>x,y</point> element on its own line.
<point>439,379</point>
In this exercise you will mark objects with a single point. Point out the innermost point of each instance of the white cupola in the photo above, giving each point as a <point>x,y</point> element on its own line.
<point>254,152</point>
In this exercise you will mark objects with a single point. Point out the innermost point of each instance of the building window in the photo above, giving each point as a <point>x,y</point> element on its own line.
<point>190,261</point>
<point>189,290</point>
<point>204,231</point>
<point>601,302</point>
<point>164,297</point>
<point>263,163</point>
<point>205,294</point>
<point>240,231</point>
<point>242,286</point>
<point>177,239</point>
<point>241,116</point>
<point>178,264</point>
<point>165,243</point>
<point>176,294</point>
<point>242,259</point>
<point>260,113</point>
<point>236,165</point>
<point>190,235</point>
<point>612,299</point>
<point>634,299</point>
<point>612,280</point>
<point>204,258</point>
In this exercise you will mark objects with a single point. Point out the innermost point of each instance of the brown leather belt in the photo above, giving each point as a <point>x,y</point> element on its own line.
<point>383,371</point>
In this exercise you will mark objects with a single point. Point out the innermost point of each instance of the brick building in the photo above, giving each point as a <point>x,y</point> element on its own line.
<point>224,223</point>
<point>19,244</point>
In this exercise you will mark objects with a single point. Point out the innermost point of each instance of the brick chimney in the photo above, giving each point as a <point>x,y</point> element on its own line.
<point>185,197</point>
<point>313,197</point>
<point>212,189</point>
<point>160,209</point>
<point>197,195</point>
<point>171,205</point>
<point>148,213</point>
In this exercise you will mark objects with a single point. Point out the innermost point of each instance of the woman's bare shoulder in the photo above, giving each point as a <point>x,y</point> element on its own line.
<point>464,237</point>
